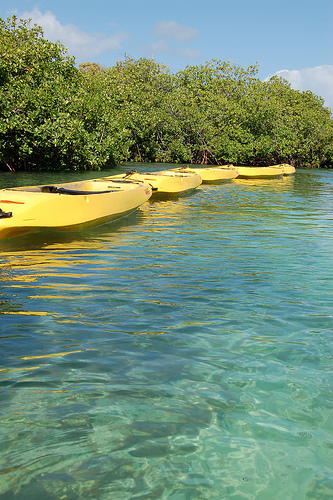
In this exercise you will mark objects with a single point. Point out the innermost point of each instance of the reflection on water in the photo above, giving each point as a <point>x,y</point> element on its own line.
<point>183,352</point>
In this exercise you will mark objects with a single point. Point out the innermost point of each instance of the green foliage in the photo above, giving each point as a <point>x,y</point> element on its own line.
<point>54,116</point>
<point>42,105</point>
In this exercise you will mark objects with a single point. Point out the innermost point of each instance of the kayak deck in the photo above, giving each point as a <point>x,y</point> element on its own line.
<point>211,174</point>
<point>165,182</point>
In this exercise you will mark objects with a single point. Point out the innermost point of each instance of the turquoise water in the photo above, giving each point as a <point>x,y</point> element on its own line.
<point>184,352</point>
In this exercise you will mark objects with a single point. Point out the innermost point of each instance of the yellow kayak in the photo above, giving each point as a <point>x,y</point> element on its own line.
<point>287,169</point>
<point>259,172</point>
<point>68,207</point>
<point>165,182</point>
<point>211,174</point>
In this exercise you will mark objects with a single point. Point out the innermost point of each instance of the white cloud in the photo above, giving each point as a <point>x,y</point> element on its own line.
<point>159,47</point>
<point>81,45</point>
<point>175,34</point>
<point>318,79</point>
<point>174,31</point>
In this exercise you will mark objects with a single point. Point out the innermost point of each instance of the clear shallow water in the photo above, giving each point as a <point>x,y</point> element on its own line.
<point>184,352</point>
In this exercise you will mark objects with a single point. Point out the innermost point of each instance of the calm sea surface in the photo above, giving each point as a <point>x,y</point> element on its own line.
<point>183,352</point>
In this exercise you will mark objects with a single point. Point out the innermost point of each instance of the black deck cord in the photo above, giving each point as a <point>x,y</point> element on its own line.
<point>54,189</point>
<point>5,215</point>
<point>131,172</point>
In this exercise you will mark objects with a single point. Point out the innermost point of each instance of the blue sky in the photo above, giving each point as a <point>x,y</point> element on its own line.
<point>293,38</point>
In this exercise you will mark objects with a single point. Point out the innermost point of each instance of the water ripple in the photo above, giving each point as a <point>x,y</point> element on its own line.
<point>184,352</point>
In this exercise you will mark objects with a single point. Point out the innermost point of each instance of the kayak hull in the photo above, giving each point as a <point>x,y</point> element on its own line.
<point>287,169</point>
<point>259,172</point>
<point>67,207</point>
